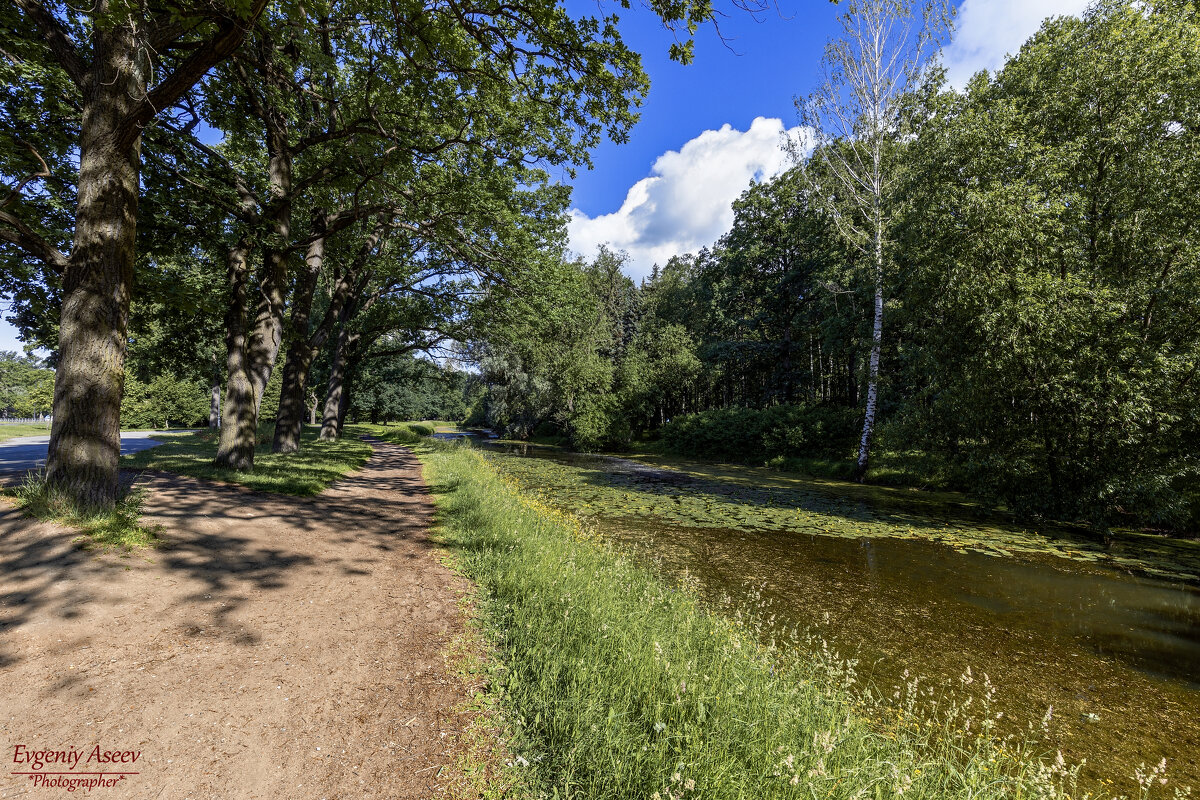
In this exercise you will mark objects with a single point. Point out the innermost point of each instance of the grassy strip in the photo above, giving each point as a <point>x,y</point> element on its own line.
<point>620,686</point>
<point>408,433</point>
<point>306,472</point>
<point>118,528</point>
<point>24,429</point>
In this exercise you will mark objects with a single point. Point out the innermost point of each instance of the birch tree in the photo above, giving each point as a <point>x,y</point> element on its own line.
<point>857,128</point>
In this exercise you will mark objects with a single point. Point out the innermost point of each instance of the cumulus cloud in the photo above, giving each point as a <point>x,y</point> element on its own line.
<point>988,30</point>
<point>685,202</point>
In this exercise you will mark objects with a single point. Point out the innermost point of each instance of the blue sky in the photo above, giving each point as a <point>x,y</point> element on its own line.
<point>707,129</point>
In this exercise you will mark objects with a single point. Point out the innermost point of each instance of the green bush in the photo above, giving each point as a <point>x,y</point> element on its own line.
<point>420,428</point>
<point>780,431</point>
<point>164,402</point>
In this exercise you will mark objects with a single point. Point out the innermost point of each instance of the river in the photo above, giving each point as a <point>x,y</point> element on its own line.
<point>1107,635</point>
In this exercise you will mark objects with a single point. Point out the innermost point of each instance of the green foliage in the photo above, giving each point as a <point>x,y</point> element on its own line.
<point>1052,243</point>
<point>164,402</point>
<point>404,387</point>
<point>26,387</point>
<point>737,434</point>
<point>1040,279</point>
<point>620,686</point>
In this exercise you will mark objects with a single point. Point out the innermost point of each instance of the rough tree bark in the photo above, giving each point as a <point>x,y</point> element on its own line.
<point>239,392</point>
<point>109,64</point>
<point>335,394</point>
<point>289,418</point>
<point>85,438</point>
<point>304,345</point>
<point>252,358</point>
<point>250,361</point>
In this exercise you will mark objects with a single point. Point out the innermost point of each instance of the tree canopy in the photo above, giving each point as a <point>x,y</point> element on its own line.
<point>1039,272</point>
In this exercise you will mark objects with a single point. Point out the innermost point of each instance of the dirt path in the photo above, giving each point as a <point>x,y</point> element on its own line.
<point>274,648</point>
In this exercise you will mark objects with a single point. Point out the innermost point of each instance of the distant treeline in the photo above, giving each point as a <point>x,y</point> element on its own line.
<point>388,389</point>
<point>1042,334</point>
<point>26,386</point>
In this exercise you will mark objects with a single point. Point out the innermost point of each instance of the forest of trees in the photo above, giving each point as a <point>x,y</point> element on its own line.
<point>262,211</point>
<point>229,192</point>
<point>1041,296</point>
<point>26,387</point>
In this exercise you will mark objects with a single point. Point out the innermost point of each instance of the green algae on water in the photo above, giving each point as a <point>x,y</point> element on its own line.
<point>745,499</point>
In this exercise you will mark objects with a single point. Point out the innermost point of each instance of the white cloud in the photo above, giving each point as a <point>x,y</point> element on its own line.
<point>685,202</point>
<point>988,30</point>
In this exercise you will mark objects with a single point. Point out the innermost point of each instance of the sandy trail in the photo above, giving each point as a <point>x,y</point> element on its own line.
<point>274,647</point>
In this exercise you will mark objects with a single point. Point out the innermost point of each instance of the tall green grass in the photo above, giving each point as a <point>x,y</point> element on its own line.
<point>618,685</point>
<point>119,527</point>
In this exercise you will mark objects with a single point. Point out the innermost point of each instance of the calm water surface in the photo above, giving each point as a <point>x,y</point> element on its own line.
<point>1116,654</point>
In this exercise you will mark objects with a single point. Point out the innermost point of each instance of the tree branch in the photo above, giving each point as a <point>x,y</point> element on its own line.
<point>227,38</point>
<point>57,38</point>
<point>24,237</point>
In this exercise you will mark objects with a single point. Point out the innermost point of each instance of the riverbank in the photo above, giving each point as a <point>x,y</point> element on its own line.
<point>703,494</point>
<point>1104,636</point>
<point>618,684</point>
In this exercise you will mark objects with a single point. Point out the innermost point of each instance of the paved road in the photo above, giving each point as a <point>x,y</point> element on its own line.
<point>29,452</point>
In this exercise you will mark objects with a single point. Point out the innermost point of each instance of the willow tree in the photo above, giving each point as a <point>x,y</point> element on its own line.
<point>80,87</point>
<point>857,124</point>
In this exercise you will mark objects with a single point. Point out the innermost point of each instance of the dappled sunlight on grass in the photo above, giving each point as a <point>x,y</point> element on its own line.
<point>306,472</point>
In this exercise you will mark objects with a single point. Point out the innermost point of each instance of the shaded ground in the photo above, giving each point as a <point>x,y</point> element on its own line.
<point>274,647</point>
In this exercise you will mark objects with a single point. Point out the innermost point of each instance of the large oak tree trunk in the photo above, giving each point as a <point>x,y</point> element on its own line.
<point>290,418</point>
<point>334,414</point>
<point>335,393</point>
<point>85,438</point>
<point>300,354</point>
<point>251,359</point>
<point>305,346</point>
<point>235,449</point>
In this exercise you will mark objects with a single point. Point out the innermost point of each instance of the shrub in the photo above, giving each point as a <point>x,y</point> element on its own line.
<point>747,433</point>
